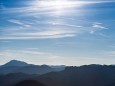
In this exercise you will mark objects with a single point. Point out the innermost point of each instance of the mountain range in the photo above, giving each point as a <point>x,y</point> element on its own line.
<point>85,75</point>
<point>16,66</point>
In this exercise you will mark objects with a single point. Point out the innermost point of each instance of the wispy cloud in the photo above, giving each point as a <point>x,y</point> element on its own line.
<point>97,27</point>
<point>57,30</point>
<point>43,37</point>
<point>26,53</point>
<point>38,7</point>
<point>15,21</point>
<point>18,22</point>
<point>44,21</point>
<point>46,33</point>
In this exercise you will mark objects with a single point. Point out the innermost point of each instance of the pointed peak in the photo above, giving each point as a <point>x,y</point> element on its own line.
<point>15,63</point>
<point>16,60</point>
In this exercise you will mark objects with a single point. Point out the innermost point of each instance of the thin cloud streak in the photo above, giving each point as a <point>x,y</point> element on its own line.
<point>64,30</point>
<point>42,37</point>
<point>18,22</point>
<point>97,27</point>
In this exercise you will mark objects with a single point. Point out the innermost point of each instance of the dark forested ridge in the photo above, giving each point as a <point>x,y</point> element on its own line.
<point>29,83</point>
<point>86,75</point>
<point>13,78</point>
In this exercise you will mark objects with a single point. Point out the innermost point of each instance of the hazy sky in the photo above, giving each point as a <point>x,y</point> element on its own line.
<point>70,32</point>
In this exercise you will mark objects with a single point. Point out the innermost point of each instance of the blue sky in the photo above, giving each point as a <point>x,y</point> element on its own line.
<point>54,32</point>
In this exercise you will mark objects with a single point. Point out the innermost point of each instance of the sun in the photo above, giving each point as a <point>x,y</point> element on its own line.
<point>57,7</point>
<point>57,3</point>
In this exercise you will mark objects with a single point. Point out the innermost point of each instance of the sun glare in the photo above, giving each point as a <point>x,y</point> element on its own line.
<point>57,7</point>
<point>57,3</point>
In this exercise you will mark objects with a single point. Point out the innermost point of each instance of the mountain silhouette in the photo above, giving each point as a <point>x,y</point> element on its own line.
<point>16,66</point>
<point>86,75</point>
<point>11,66</point>
<point>15,63</point>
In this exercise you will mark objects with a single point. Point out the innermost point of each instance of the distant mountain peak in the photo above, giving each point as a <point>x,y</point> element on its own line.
<point>15,63</point>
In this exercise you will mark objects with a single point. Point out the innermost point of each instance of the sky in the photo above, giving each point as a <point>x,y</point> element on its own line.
<point>57,32</point>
